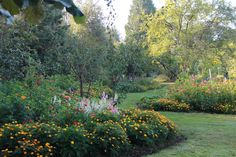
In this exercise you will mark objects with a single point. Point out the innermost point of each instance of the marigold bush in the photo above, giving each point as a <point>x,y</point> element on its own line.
<point>103,133</point>
<point>163,104</point>
<point>214,97</point>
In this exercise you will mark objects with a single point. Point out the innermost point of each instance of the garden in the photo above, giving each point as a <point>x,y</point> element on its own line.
<point>73,85</point>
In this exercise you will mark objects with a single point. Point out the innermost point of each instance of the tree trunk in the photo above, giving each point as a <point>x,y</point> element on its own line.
<point>81,85</point>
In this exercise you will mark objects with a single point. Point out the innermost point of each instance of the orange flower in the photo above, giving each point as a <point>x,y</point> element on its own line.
<point>67,97</point>
<point>23,97</point>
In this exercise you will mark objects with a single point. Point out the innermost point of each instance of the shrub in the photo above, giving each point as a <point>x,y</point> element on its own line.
<point>147,127</point>
<point>32,99</point>
<point>138,85</point>
<point>16,140</point>
<point>163,104</point>
<point>72,141</point>
<point>103,134</point>
<point>109,139</point>
<point>212,97</point>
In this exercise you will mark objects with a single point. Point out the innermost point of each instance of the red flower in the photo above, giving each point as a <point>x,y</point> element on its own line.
<point>67,97</point>
<point>76,123</point>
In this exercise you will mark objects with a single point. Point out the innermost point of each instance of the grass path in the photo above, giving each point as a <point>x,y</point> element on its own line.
<point>209,135</point>
<point>133,98</point>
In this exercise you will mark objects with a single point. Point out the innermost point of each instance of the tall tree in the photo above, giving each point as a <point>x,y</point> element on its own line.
<point>86,47</point>
<point>135,36</point>
<point>191,31</point>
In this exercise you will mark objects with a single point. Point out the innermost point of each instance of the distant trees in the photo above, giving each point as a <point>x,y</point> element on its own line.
<point>136,52</point>
<point>195,33</point>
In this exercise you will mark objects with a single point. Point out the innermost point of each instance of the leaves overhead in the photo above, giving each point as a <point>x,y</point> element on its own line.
<point>32,9</point>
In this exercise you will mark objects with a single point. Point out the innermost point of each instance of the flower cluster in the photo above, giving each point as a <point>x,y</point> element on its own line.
<point>19,141</point>
<point>164,104</point>
<point>215,97</point>
<point>103,134</point>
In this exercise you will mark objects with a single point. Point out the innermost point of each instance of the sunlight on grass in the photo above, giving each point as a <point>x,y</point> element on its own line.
<point>133,98</point>
<point>209,135</point>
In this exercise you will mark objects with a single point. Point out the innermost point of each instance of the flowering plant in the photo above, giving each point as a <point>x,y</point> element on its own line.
<point>206,96</point>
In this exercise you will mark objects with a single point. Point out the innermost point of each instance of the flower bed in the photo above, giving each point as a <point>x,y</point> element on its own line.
<point>103,133</point>
<point>214,97</point>
<point>163,104</point>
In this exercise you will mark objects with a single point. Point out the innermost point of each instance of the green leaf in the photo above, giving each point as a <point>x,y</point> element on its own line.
<point>80,19</point>
<point>34,13</point>
<point>19,3</point>
<point>72,9</point>
<point>11,6</point>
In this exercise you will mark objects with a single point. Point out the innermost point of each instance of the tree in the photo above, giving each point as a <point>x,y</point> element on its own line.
<point>24,45</point>
<point>135,36</point>
<point>190,31</point>
<point>87,47</point>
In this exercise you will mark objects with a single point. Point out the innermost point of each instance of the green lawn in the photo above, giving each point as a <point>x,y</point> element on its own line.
<point>209,135</point>
<point>133,98</point>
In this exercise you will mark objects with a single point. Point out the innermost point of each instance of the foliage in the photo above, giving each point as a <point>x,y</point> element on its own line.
<point>109,139</point>
<point>36,97</point>
<point>163,104</point>
<point>19,141</point>
<point>104,134</point>
<point>147,127</point>
<point>24,47</point>
<point>137,60</point>
<point>138,85</point>
<point>206,96</point>
<point>195,34</point>
<point>32,10</point>
<point>88,48</point>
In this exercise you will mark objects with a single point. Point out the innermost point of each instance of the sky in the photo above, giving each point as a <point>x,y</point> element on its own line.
<point>122,8</point>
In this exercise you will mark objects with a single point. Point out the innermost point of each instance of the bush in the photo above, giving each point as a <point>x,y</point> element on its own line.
<point>139,85</point>
<point>17,140</point>
<point>109,139</point>
<point>103,134</point>
<point>32,99</point>
<point>214,97</point>
<point>163,104</point>
<point>147,127</point>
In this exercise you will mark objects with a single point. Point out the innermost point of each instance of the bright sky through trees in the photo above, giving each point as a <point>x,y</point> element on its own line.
<point>122,8</point>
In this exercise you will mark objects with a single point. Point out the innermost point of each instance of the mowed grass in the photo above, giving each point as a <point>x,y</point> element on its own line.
<point>208,135</point>
<point>133,98</point>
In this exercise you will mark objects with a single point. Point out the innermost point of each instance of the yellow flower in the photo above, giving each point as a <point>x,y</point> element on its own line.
<point>47,144</point>
<point>23,97</point>
<point>72,142</point>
